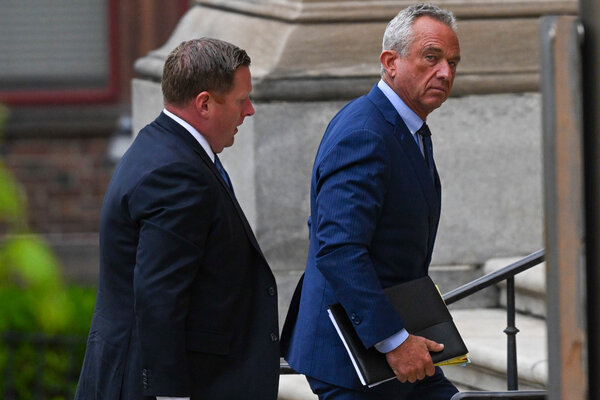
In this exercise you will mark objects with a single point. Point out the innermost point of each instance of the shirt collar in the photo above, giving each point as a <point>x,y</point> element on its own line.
<point>411,119</point>
<point>197,135</point>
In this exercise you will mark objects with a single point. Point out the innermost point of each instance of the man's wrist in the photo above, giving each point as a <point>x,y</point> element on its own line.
<point>389,344</point>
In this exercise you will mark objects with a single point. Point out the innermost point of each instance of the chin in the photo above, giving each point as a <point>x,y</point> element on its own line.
<point>436,103</point>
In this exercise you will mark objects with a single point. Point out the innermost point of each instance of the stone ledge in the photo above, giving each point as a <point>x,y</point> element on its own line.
<point>450,277</point>
<point>294,387</point>
<point>331,11</point>
<point>320,56</point>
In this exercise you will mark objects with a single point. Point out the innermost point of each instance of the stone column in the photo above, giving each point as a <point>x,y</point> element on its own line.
<point>309,57</point>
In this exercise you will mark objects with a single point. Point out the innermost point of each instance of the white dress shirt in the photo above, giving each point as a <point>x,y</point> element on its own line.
<point>411,119</point>
<point>197,135</point>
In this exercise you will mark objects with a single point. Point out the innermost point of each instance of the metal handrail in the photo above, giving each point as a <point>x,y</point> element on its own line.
<point>508,274</point>
<point>520,395</point>
<point>495,277</point>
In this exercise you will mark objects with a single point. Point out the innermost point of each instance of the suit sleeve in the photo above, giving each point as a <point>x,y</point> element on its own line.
<point>172,208</point>
<point>352,178</point>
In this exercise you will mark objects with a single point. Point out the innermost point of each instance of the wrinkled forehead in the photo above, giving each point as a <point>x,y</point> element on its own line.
<point>433,34</point>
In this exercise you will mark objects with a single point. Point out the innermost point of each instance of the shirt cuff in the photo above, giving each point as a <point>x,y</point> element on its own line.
<point>171,398</point>
<point>389,344</point>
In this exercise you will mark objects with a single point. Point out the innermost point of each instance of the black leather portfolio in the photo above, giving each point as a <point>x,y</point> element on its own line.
<point>424,312</point>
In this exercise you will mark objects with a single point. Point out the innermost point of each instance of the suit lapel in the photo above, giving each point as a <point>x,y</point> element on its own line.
<point>431,190</point>
<point>413,153</point>
<point>210,165</point>
<point>172,126</point>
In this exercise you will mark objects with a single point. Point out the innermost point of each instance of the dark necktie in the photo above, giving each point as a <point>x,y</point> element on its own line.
<point>427,148</point>
<point>223,173</point>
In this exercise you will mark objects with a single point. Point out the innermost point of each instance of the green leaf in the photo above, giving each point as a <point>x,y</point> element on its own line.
<point>12,200</point>
<point>31,260</point>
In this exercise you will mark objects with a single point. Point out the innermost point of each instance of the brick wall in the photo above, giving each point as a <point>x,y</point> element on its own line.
<point>64,180</point>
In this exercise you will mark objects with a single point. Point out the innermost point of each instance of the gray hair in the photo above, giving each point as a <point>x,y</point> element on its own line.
<point>398,34</point>
<point>200,65</point>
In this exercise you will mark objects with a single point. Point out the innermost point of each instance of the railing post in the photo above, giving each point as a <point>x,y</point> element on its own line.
<point>511,336</point>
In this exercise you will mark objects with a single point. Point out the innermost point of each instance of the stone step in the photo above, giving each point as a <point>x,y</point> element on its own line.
<point>295,387</point>
<point>482,330</point>
<point>530,286</point>
<point>450,277</point>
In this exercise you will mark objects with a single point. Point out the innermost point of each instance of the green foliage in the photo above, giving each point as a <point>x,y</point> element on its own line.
<point>43,322</point>
<point>47,363</point>
<point>27,264</point>
<point>20,309</point>
<point>11,199</point>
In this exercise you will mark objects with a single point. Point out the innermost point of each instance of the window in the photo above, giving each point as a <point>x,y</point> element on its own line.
<point>58,51</point>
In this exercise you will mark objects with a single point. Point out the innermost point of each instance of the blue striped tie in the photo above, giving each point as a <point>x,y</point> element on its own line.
<point>427,148</point>
<point>223,173</point>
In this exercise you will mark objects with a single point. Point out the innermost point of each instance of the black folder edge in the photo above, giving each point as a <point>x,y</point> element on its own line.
<point>384,372</point>
<point>354,362</point>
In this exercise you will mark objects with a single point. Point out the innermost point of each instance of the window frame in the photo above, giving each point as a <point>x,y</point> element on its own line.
<point>109,93</point>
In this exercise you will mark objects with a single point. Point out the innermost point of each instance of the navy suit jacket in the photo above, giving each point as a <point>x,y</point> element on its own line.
<point>374,217</point>
<point>186,304</point>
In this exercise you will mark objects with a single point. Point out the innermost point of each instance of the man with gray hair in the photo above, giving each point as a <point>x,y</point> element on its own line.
<point>187,304</point>
<point>375,206</point>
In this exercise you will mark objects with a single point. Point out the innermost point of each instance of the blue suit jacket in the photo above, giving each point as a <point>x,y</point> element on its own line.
<point>186,301</point>
<point>374,217</point>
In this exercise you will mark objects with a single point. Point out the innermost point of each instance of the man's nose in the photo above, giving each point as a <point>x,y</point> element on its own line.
<point>249,110</point>
<point>444,70</point>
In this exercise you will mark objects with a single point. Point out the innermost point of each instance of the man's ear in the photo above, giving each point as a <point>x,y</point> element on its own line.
<point>202,104</point>
<point>387,59</point>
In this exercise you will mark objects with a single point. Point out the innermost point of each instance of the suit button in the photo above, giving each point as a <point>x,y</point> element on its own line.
<point>355,319</point>
<point>145,378</point>
<point>274,337</point>
<point>271,291</point>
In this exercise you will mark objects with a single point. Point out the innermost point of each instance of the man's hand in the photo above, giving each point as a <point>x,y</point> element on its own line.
<point>411,360</point>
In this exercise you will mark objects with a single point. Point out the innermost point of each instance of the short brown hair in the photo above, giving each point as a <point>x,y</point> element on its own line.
<point>199,65</point>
